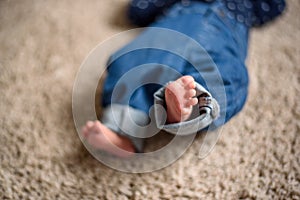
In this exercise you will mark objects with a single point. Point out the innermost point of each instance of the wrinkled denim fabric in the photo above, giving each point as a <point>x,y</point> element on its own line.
<point>224,40</point>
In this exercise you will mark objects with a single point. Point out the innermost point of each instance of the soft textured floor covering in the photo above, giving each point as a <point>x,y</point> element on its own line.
<point>42,44</point>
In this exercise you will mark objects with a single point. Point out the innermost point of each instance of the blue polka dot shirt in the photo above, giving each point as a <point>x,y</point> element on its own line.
<point>250,12</point>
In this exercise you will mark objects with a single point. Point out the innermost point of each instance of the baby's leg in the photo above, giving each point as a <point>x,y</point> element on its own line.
<point>180,98</point>
<point>101,137</point>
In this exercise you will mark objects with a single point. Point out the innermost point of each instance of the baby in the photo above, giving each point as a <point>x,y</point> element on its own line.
<point>221,27</point>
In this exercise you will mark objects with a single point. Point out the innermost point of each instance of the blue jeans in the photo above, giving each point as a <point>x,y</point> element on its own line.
<point>137,76</point>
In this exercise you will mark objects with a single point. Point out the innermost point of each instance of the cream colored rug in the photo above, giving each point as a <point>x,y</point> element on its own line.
<point>42,44</point>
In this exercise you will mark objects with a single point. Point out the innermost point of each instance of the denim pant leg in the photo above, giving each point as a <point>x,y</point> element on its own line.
<point>125,103</point>
<point>132,80</point>
<point>131,67</point>
<point>225,40</point>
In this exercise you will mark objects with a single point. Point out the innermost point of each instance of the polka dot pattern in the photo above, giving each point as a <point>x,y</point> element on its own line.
<point>249,12</point>
<point>142,4</point>
<point>254,12</point>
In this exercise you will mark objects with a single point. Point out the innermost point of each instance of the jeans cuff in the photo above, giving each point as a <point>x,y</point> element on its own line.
<point>203,114</point>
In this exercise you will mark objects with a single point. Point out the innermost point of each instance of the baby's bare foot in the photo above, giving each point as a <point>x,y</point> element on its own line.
<point>101,137</point>
<point>180,98</point>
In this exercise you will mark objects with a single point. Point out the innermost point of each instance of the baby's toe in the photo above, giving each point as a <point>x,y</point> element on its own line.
<point>190,85</point>
<point>89,124</point>
<point>190,93</point>
<point>186,79</point>
<point>192,102</point>
<point>188,82</point>
<point>96,127</point>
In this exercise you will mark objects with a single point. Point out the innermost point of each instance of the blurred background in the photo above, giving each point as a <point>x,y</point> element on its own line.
<point>42,45</point>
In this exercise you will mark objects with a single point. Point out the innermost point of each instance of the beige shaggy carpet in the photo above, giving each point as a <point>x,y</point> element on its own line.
<point>43,43</point>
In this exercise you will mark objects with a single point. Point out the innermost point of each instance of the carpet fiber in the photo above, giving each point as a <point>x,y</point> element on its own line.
<point>42,44</point>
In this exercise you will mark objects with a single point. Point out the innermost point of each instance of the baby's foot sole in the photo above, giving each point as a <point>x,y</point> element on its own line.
<point>101,137</point>
<point>180,98</point>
